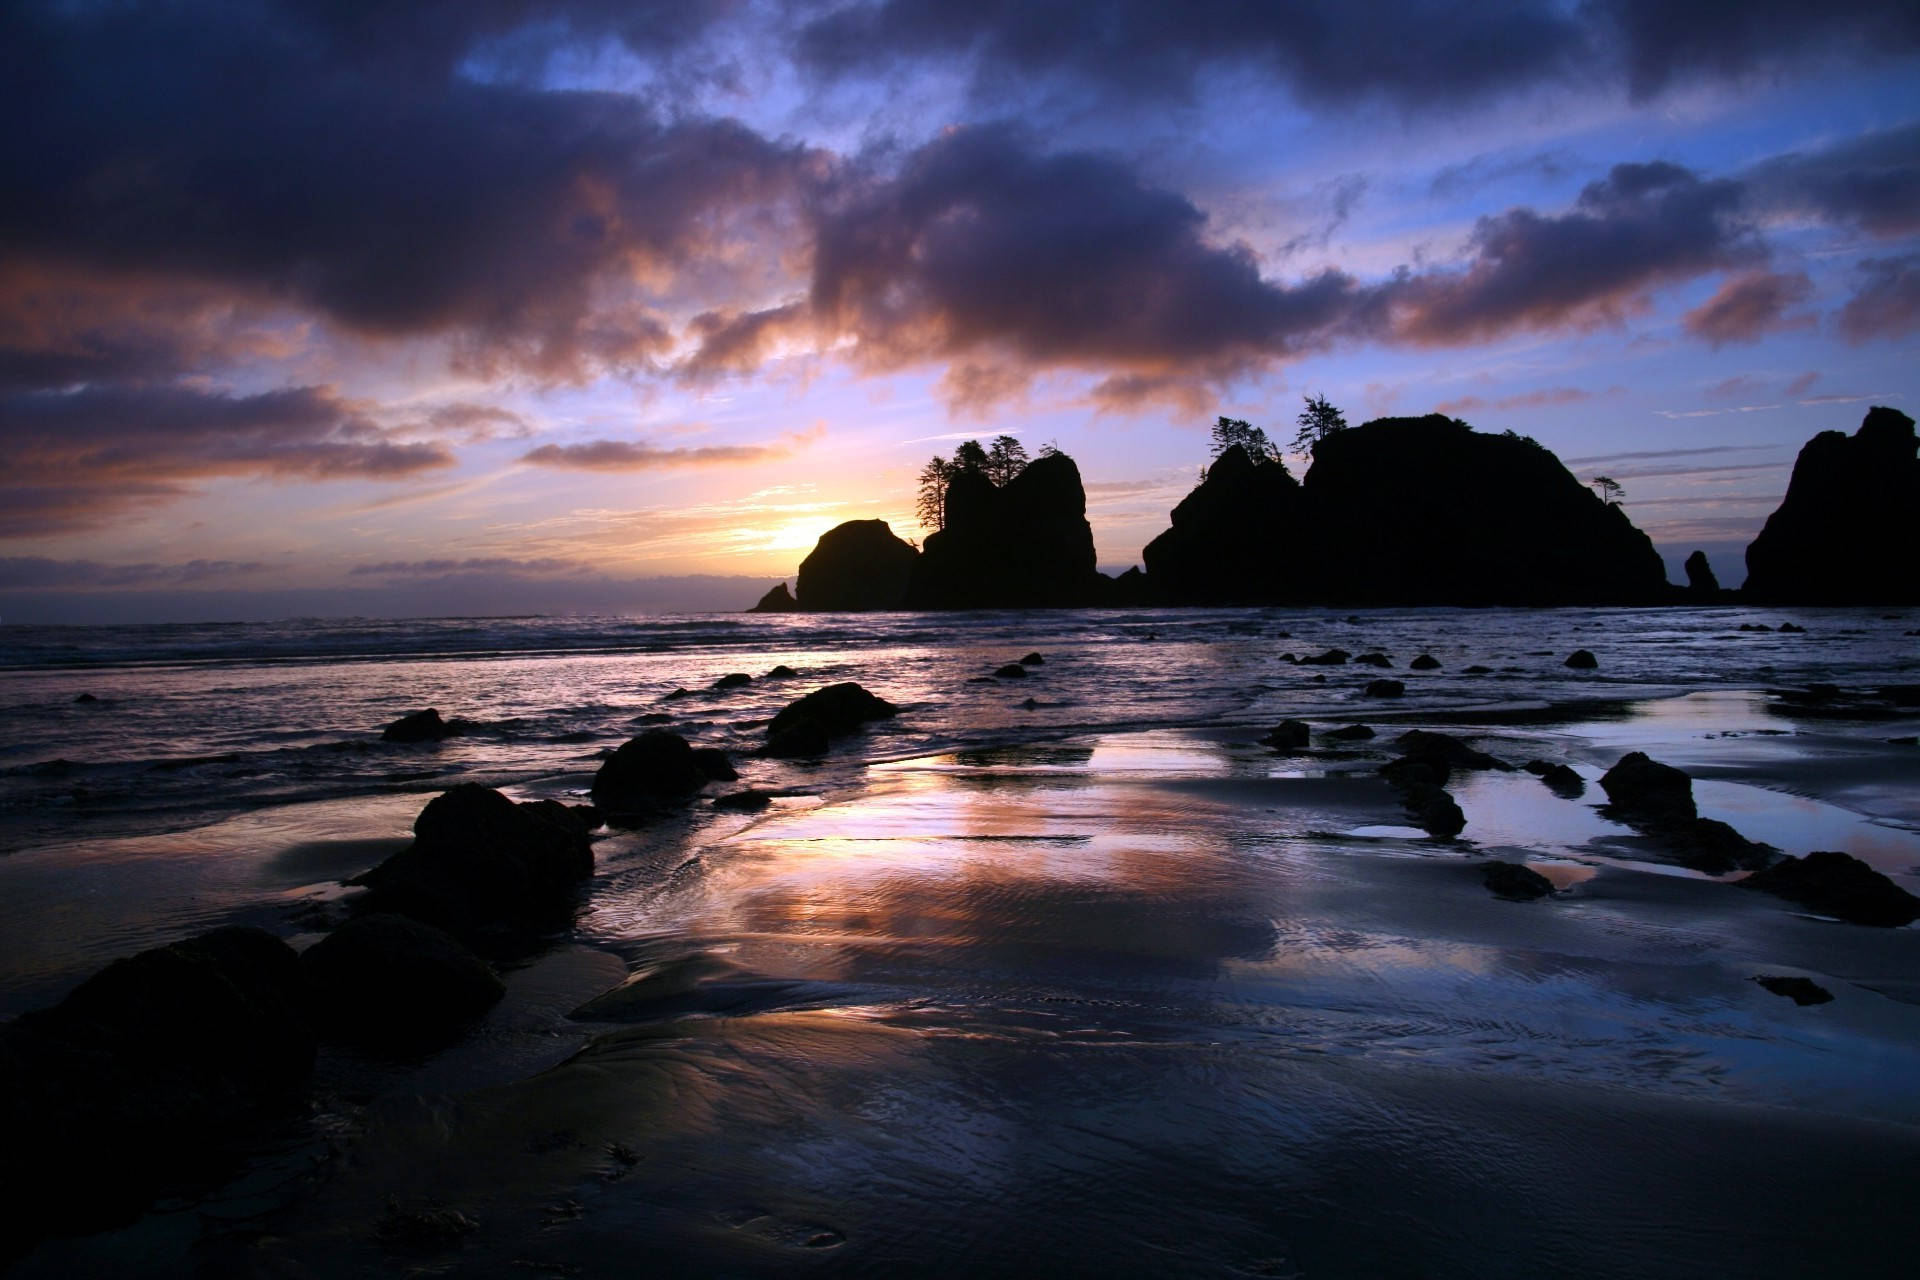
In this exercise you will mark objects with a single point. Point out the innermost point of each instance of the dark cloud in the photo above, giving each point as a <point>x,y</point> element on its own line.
<point>1872,182</point>
<point>244,150</point>
<point>1642,225</point>
<point>70,459</point>
<point>1748,307</point>
<point>1886,304</point>
<point>626,455</point>
<point>1414,53</point>
<point>983,247</point>
<point>18,572</point>
<point>1547,397</point>
<point>473,564</point>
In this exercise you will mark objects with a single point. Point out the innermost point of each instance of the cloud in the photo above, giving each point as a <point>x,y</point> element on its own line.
<point>630,455</point>
<point>1748,307</point>
<point>71,459</point>
<point>1871,182</point>
<point>20,572</point>
<point>1604,459</point>
<point>542,566</point>
<point>1547,397</point>
<point>1642,225</point>
<point>1886,304</point>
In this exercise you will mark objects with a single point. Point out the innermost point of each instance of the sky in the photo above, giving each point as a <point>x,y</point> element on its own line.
<point>502,306</point>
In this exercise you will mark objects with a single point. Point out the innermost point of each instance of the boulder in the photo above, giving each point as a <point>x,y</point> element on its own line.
<point>714,765</point>
<point>1837,884</point>
<point>1640,787</point>
<point>1421,744</point>
<point>1425,662</point>
<point>777,600</point>
<point>479,864</point>
<point>1582,660</point>
<point>1022,545</point>
<point>748,801</point>
<point>1411,771</point>
<point>1385,689</point>
<point>1434,811</point>
<point>1373,660</point>
<point>647,772</point>
<point>1802,991</point>
<point>86,697</point>
<point>1845,533</point>
<point>732,680</point>
<point>1331,658</point>
<point>1701,582</point>
<point>1516,882</point>
<point>397,984</point>
<point>1349,733</point>
<point>420,726</point>
<point>781,672</point>
<point>1476,670</point>
<point>1012,671</point>
<point>1560,778</point>
<point>807,725</point>
<point>856,566</point>
<point>1033,660</point>
<point>1713,846</point>
<point>1290,735</point>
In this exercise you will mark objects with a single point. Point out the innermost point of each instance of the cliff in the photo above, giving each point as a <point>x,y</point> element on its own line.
<point>1022,545</point>
<point>1847,531</point>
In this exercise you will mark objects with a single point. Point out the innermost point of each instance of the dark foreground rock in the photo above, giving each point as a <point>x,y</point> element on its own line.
<point>1288,735</point>
<point>395,984</point>
<point>1641,787</point>
<point>859,566</point>
<point>806,726</point>
<point>1845,533</point>
<point>145,1078</point>
<point>1560,778</point>
<point>1516,882</point>
<point>777,600</point>
<point>1657,800</point>
<point>1802,991</point>
<point>1582,660</point>
<point>479,863</point>
<point>1420,744</point>
<point>647,773</point>
<point>1837,884</point>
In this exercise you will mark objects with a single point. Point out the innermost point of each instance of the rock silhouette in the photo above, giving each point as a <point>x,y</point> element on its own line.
<point>777,600</point>
<point>397,984</point>
<point>654,769</point>
<point>1701,583</point>
<point>1838,884</point>
<point>806,726</point>
<point>1845,532</point>
<point>1022,545</point>
<point>856,566</point>
<point>1404,511</point>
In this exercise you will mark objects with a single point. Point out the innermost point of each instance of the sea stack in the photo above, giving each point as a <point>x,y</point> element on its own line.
<point>1846,533</point>
<point>1022,545</point>
<point>856,566</point>
<point>1225,546</point>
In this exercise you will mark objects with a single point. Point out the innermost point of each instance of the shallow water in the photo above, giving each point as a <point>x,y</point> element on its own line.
<point>1102,987</point>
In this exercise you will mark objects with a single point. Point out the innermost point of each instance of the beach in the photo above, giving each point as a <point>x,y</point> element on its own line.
<point>1062,972</point>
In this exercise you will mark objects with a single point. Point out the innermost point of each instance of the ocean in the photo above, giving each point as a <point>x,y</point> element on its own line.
<point>1064,969</point>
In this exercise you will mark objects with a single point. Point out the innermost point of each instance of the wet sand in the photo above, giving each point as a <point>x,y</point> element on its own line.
<point>1155,1003</point>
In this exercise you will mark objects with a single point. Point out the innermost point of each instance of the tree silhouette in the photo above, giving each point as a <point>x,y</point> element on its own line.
<point>1317,421</point>
<point>1005,459</point>
<point>1228,432</point>
<point>1609,489</point>
<point>970,457</point>
<point>931,505</point>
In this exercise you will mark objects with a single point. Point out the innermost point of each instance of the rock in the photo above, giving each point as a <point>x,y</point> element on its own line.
<point>1373,660</point>
<point>1012,671</point>
<point>1845,533</point>
<point>732,680</point>
<point>1385,689</point>
<point>1517,882</point>
<point>806,726</point>
<point>677,694</point>
<point>1410,771</point>
<point>1291,735</point>
<point>714,765</point>
<point>1837,884</point>
<point>148,1077</point>
<point>1582,660</point>
<point>748,801</point>
<point>1803,991</point>
<point>1420,744</point>
<point>781,672</point>
<point>1022,545</point>
<point>1032,660</point>
<point>1029,705</point>
<point>1641,787</point>
<point>650,717</point>
<point>397,984</point>
<point>1476,670</point>
<point>479,863</point>
<point>1788,628</point>
<point>1350,733</point>
<point>86,697</point>
<point>1453,517</point>
<point>1701,584</point>
<point>778,600</point>
<point>421,726</point>
<point>1560,778</point>
<point>856,566</point>
<point>1755,626</point>
<point>1434,811</point>
<point>1714,846</point>
<point>649,771</point>
<point>1331,658</point>
<point>1425,662</point>
<point>1225,540</point>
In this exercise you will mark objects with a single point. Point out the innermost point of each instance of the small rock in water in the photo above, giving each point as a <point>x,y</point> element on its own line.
<point>713,762</point>
<point>781,672</point>
<point>1640,786</point>
<point>733,680</point>
<point>1331,658</point>
<point>1476,670</point>
<point>421,726</point>
<point>681,692</point>
<point>655,768</point>
<point>806,726</point>
<point>1790,627</point>
<point>1582,660</point>
<point>1560,778</point>
<point>1385,689</point>
<point>1425,662</point>
<point>1436,811</point>
<point>1373,660</point>
<point>86,697</point>
<point>748,801</point>
<point>1517,882</point>
<point>1012,671</point>
<point>1032,660</point>
<point>1803,991</point>
<point>1351,733</point>
<point>1838,884</point>
<point>1029,705</point>
<point>1291,735</point>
